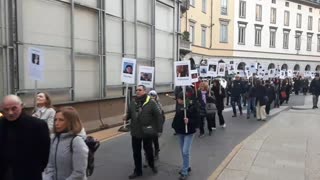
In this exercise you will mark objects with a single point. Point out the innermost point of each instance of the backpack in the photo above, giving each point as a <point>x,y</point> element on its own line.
<point>93,145</point>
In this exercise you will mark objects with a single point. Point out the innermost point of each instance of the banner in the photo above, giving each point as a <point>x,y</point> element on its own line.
<point>182,73</point>
<point>128,70</point>
<point>36,64</point>
<point>146,76</point>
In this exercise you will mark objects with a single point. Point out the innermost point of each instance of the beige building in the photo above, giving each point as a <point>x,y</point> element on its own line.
<point>210,25</point>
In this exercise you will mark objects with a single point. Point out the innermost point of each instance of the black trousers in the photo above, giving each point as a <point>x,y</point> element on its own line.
<point>221,118</point>
<point>228,99</point>
<point>235,100</point>
<point>155,141</point>
<point>268,107</point>
<point>148,149</point>
<point>209,123</point>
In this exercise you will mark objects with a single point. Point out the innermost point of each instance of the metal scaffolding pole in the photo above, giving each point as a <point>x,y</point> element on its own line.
<point>72,52</point>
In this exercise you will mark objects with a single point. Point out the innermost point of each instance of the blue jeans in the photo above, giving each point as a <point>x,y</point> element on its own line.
<point>251,108</point>
<point>185,146</point>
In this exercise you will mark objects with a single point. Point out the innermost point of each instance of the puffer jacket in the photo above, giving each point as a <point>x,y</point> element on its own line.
<point>65,164</point>
<point>149,114</point>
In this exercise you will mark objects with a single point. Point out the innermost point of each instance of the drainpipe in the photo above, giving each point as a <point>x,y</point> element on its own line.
<point>6,44</point>
<point>72,52</point>
<point>211,25</point>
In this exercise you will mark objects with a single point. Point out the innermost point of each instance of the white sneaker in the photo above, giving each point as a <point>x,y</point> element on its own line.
<point>224,125</point>
<point>213,128</point>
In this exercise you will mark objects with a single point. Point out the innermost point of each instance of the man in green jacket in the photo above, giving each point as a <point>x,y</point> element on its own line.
<point>145,121</point>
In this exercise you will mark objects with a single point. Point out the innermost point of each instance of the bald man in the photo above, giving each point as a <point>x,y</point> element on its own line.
<point>24,142</point>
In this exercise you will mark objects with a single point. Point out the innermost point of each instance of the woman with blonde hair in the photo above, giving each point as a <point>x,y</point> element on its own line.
<point>44,109</point>
<point>68,153</point>
<point>203,96</point>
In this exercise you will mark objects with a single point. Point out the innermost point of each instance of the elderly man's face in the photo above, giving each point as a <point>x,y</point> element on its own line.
<point>12,110</point>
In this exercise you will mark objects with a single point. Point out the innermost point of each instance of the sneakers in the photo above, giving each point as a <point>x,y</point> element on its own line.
<point>214,128</point>
<point>201,135</point>
<point>189,170</point>
<point>224,125</point>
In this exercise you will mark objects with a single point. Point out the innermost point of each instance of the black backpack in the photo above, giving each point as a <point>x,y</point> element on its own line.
<point>93,145</point>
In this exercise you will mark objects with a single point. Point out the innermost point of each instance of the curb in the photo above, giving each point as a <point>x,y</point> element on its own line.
<point>217,172</point>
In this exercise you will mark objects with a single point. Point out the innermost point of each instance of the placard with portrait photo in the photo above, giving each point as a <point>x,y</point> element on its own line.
<point>146,76</point>
<point>128,70</point>
<point>221,69</point>
<point>212,69</point>
<point>194,76</point>
<point>36,64</point>
<point>182,72</point>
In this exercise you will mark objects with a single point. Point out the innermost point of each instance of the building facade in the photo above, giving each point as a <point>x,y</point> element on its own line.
<point>83,43</point>
<point>274,33</point>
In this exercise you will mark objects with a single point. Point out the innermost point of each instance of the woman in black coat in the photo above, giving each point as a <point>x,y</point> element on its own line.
<point>261,101</point>
<point>219,93</point>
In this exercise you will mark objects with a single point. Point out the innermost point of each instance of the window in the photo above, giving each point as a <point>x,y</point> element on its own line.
<point>204,6</point>
<point>273,1</point>
<point>309,42</point>
<point>298,40</point>
<point>203,36</point>
<point>242,34</point>
<point>299,7</point>
<point>192,2</point>
<point>224,7</point>
<point>286,39</point>
<point>257,39</point>
<point>273,37</point>
<point>310,10</point>
<point>224,31</point>
<point>242,9</point>
<point>310,23</point>
<point>273,16</point>
<point>318,45</point>
<point>287,4</point>
<point>286,18</point>
<point>191,33</point>
<point>299,17</point>
<point>258,12</point>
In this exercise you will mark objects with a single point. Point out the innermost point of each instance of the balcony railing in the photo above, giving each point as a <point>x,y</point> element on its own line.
<point>185,46</point>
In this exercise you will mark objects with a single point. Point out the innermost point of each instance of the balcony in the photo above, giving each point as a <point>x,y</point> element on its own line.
<point>185,46</point>
<point>185,5</point>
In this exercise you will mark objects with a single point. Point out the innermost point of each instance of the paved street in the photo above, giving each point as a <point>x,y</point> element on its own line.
<point>114,159</point>
<point>285,148</point>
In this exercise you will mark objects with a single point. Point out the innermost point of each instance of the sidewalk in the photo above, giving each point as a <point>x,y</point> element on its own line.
<point>286,148</point>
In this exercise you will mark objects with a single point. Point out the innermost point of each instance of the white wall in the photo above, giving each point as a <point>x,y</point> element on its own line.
<point>280,6</point>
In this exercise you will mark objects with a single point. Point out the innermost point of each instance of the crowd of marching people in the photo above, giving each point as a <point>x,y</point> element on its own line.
<point>52,144</point>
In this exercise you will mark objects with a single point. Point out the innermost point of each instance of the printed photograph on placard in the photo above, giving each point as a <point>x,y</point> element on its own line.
<point>182,73</point>
<point>203,71</point>
<point>128,70</point>
<point>222,69</point>
<point>146,76</point>
<point>213,69</point>
<point>194,76</point>
<point>36,63</point>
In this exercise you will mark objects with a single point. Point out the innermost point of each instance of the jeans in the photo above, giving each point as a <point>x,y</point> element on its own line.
<point>251,108</point>
<point>185,147</point>
<point>276,100</point>
<point>315,100</point>
<point>148,149</point>
<point>235,100</point>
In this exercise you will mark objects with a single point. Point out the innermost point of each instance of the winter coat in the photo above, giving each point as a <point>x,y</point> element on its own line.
<point>46,114</point>
<point>236,88</point>
<point>315,87</point>
<point>219,95</point>
<point>64,163</point>
<point>31,146</point>
<point>192,114</point>
<point>261,94</point>
<point>270,93</point>
<point>148,115</point>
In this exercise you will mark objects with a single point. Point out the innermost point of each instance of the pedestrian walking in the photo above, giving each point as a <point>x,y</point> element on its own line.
<point>236,89</point>
<point>69,152</point>
<point>244,94</point>
<point>261,99</point>
<point>277,93</point>
<point>44,109</point>
<point>297,85</point>
<point>251,99</point>
<point>305,86</point>
<point>219,94</point>
<point>145,124</point>
<point>185,137</point>
<point>270,96</point>
<point>24,142</point>
<point>283,91</point>
<point>155,140</point>
<point>315,90</point>
<point>228,90</point>
<point>203,96</point>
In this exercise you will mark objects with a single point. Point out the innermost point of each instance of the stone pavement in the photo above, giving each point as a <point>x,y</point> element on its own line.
<point>285,148</point>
